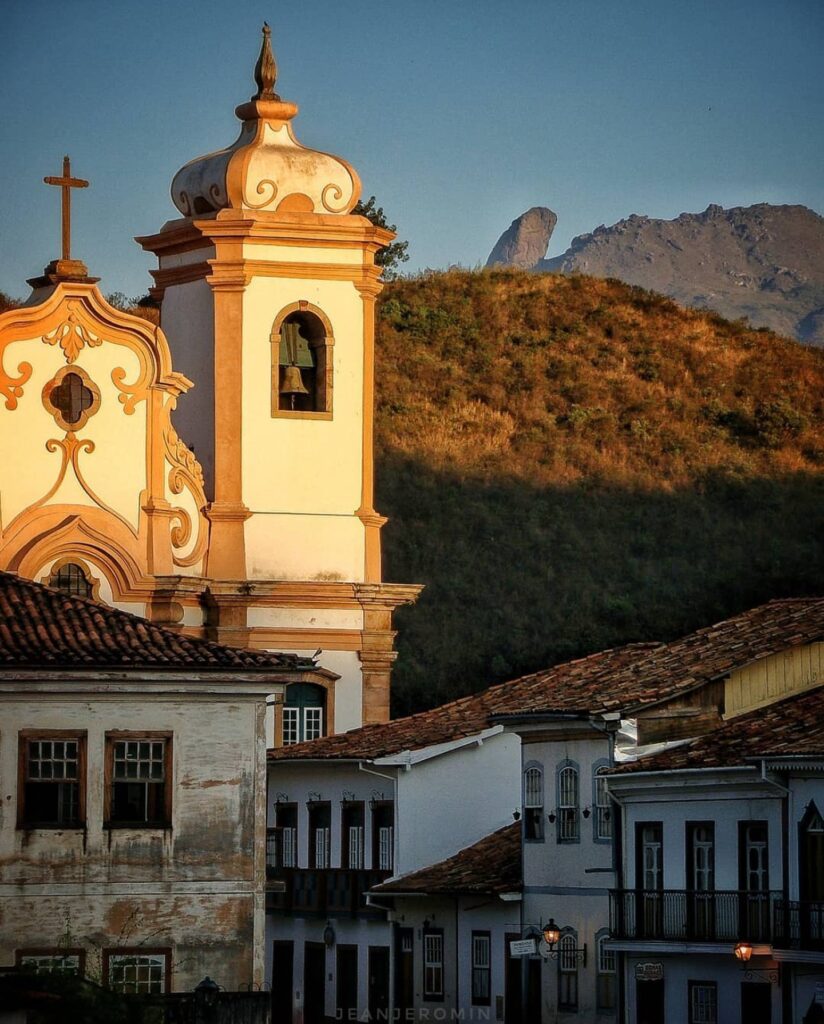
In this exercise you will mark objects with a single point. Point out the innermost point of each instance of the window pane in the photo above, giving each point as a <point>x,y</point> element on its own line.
<point>533,788</point>
<point>137,974</point>
<point>52,963</point>
<point>290,725</point>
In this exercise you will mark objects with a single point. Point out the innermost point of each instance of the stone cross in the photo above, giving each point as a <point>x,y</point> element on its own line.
<point>67,183</point>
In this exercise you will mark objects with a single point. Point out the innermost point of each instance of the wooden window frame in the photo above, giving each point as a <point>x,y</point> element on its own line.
<point>347,808</point>
<point>568,824</point>
<point>606,979</point>
<point>487,999</point>
<point>55,951</point>
<point>567,1005</point>
<point>376,808</point>
<point>164,951</point>
<point>427,995</point>
<point>315,808</point>
<point>692,985</point>
<point>149,736</point>
<point>80,736</point>
<point>602,814</point>
<point>533,813</point>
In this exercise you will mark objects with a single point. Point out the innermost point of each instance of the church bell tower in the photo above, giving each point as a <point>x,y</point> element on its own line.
<point>267,286</point>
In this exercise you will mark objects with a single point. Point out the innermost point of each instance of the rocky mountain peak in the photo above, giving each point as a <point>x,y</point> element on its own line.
<point>762,262</point>
<point>525,241</point>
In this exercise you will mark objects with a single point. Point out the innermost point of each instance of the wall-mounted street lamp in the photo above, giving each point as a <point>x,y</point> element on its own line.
<point>551,950</point>
<point>743,951</point>
<point>329,935</point>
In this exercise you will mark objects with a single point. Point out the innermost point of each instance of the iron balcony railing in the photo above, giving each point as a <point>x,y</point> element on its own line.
<point>679,915</point>
<point>799,924</point>
<point>324,891</point>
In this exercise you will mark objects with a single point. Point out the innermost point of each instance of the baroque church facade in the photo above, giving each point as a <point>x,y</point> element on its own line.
<point>215,473</point>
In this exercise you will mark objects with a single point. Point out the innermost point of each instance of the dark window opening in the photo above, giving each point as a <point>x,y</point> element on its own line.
<point>52,780</point>
<point>383,837</point>
<point>320,831</point>
<point>71,398</point>
<point>72,580</point>
<point>140,777</point>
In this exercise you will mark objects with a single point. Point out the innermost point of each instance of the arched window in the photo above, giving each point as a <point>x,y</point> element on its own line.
<point>534,803</point>
<point>568,804</point>
<point>302,364</point>
<point>304,713</point>
<point>72,577</point>
<point>602,818</point>
<point>607,973</point>
<point>568,971</point>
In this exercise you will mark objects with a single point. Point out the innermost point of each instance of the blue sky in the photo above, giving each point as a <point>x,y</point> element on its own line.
<point>458,114</point>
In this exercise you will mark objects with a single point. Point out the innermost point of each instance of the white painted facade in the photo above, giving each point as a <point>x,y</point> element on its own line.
<point>569,868</point>
<point>476,782</point>
<point>787,966</point>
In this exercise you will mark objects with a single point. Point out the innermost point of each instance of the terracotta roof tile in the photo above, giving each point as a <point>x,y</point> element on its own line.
<point>42,628</point>
<point>617,680</point>
<point>791,727</point>
<point>492,865</point>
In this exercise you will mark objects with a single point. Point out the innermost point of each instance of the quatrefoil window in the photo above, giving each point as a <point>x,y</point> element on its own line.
<point>71,397</point>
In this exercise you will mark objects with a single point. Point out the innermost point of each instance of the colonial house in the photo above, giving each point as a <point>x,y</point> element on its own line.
<point>358,929</point>
<point>576,722</point>
<point>719,911</point>
<point>347,813</point>
<point>133,771</point>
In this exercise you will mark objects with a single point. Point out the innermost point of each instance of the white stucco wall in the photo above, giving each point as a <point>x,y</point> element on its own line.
<point>478,789</point>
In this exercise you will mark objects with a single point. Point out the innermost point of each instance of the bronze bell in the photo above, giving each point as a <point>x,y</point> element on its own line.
<point>293,382</point>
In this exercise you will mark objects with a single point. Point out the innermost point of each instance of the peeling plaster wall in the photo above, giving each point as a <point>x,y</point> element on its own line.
<point>194,887</point>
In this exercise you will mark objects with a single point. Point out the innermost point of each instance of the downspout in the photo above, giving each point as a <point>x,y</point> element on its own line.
<point>619,875</point>
<point>457,959</point>
<point>786,989</point>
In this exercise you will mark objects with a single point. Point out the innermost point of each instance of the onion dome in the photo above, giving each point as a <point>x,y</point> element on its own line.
<point>266,168</point>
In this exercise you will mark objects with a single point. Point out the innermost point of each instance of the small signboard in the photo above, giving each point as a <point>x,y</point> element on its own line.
<point>649,972</point>
<point>819,993</point>
<point>522,947</point>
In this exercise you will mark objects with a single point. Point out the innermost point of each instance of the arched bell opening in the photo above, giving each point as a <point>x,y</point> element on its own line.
<point>302,363</point>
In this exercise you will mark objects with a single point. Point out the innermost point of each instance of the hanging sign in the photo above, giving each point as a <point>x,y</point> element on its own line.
<point>649,972</point>
<point>522,947</point>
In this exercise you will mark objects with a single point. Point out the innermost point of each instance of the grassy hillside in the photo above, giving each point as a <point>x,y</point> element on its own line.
<point>571,463</point>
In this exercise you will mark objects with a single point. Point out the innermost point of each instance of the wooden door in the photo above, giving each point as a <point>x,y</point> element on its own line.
<point>378,982</point>
<point>283,959</point>
<point>512,983</point>
<point>756,1002</point>
<point>404,970</point>
<point>347,982</point>
<point>649,1002</point>
<point>314,983</point>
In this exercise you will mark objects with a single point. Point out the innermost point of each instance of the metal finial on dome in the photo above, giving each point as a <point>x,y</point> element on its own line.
<point>266,70</point>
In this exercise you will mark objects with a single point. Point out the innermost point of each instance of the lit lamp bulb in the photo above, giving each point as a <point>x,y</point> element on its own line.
<point>743,951</point>
<point>551,933</point>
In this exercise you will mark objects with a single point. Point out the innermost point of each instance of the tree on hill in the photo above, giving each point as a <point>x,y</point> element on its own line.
<point>392,255</point>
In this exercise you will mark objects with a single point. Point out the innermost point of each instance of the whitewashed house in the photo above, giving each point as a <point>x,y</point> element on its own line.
<point>133,770</point>
<point>722,845</point>
<point>347,813</point>
<point>578,720</point>
<point>444,781</point>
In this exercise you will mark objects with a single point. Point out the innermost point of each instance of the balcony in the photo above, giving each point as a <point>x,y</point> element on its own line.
<point>677,915</point>
<point>799,925</point>
<point>324,892</point>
